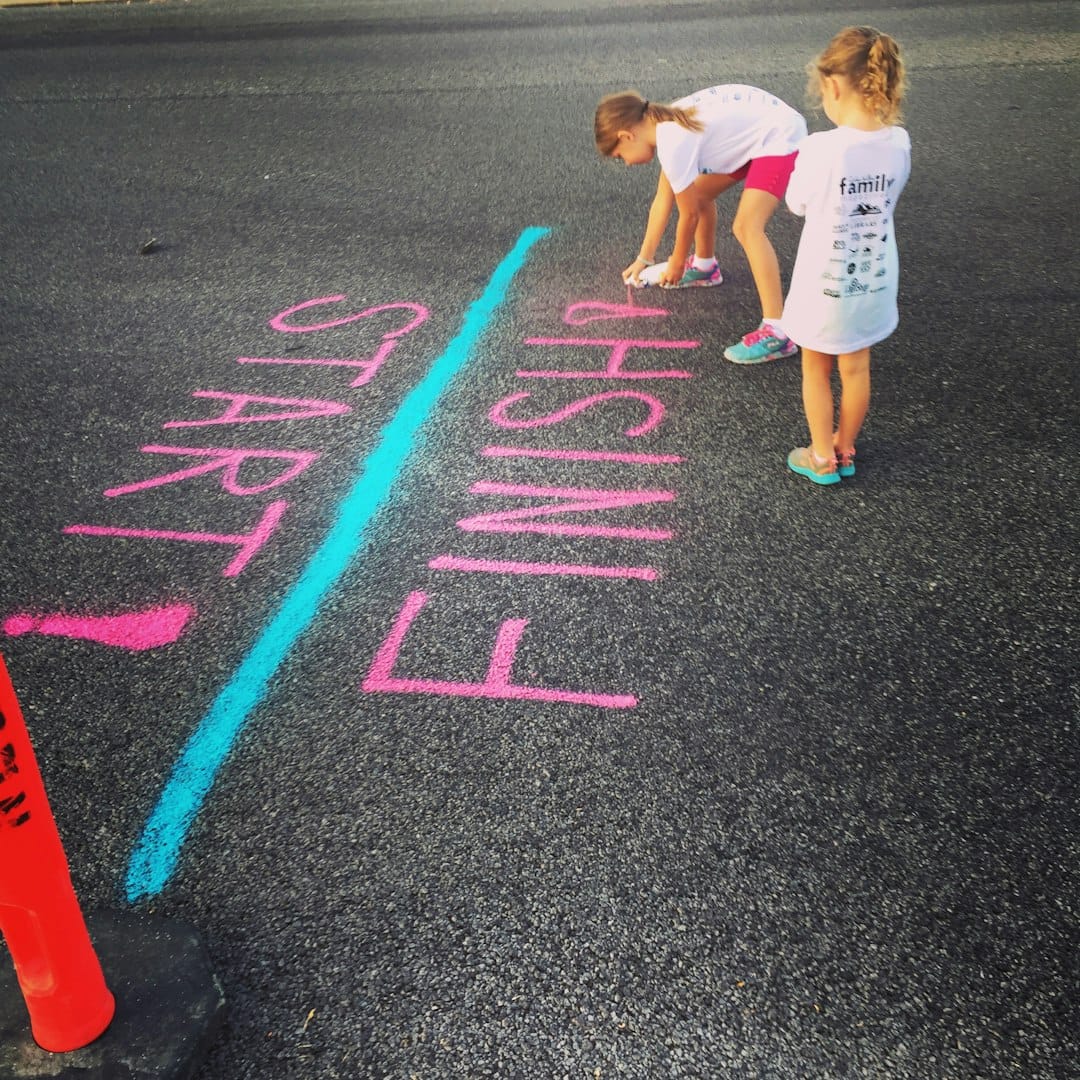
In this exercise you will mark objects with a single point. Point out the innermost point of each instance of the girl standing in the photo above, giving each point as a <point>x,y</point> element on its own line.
<point>846,183</point>
<point>706,143</point>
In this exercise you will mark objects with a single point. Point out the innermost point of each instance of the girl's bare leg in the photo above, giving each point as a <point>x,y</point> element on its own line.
<point>711,186</point>
<point>755,209</point>
<point>705,234</point>
<point>818,400</point>
<point>855,396</point>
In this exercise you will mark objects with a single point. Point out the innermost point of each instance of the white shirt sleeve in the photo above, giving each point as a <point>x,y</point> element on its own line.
<point>797,193</point>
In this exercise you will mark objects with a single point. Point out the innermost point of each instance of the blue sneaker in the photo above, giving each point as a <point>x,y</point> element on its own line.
<point>801,460</point>
<point>846,462</point>
<point>759,346</point>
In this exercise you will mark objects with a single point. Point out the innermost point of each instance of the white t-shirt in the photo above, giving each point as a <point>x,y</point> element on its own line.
<point>843,287</point>
<point>741,123</point>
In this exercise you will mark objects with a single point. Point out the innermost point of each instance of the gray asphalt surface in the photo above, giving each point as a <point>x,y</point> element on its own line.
<point>836,834</point>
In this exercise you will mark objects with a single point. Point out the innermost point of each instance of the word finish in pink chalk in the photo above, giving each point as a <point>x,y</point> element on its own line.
<point>583,455</point>
<point>305,409</point>
<point>509,566</point>
<point>559,501</point>
<point>247,543</point>
<point>278,322</point>
<point>496,684</point>
<point>618,348</point>
<point>576,501</point>
<point>137,630</point>
<point>587,311</point>
<point>655,407</point>
<point>369,367</point>
<point>229,462</point>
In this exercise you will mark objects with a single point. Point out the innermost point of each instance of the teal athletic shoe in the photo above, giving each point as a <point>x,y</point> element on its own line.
<point>801,460</point>
<point>696,278</point>
<point>759,346</point>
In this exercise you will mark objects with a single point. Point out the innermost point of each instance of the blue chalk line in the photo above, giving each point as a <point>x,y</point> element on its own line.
<point>157,851</point>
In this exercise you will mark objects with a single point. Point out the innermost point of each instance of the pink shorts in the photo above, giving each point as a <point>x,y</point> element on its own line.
<point>769,174</point>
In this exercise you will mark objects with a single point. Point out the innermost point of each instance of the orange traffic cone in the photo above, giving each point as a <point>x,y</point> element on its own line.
<point>55,963</point>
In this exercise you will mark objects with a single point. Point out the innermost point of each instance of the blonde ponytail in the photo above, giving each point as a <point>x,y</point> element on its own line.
<point>883,82</point>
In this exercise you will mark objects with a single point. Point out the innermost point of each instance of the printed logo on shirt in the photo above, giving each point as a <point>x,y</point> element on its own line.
<point>866,185</point>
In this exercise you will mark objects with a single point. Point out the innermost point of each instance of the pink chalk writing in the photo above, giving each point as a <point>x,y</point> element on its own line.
<point>135,630</point>
<point>247,543</point>
<point>618,347</point>
<point>578,499</point>
<point>278,322</point>
<point>305,409</point>
<point>229,462</point>
<point>554,503</point>
<point>582,455</point>
<point>509,566</point>
<point>498,412</point>
<point>586,311</point>
<point>496,683</point>
<point>263,470</point>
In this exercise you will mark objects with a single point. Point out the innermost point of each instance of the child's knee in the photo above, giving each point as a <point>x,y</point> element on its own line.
<point>854,365</point>
<point>747,229</point>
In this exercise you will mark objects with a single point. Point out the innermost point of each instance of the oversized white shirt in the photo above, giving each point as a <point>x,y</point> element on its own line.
<point>844,284</point>
<point>741,123</point>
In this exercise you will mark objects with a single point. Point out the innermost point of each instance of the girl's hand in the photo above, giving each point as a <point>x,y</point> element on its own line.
<point>671,276</point>
<point>633,272</point>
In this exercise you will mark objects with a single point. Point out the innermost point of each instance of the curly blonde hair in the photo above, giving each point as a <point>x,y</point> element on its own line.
<point>621,111</point>
<point>871,62</point>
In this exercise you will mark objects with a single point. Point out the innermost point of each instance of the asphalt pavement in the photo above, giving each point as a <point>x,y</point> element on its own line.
<point>490,712</point>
